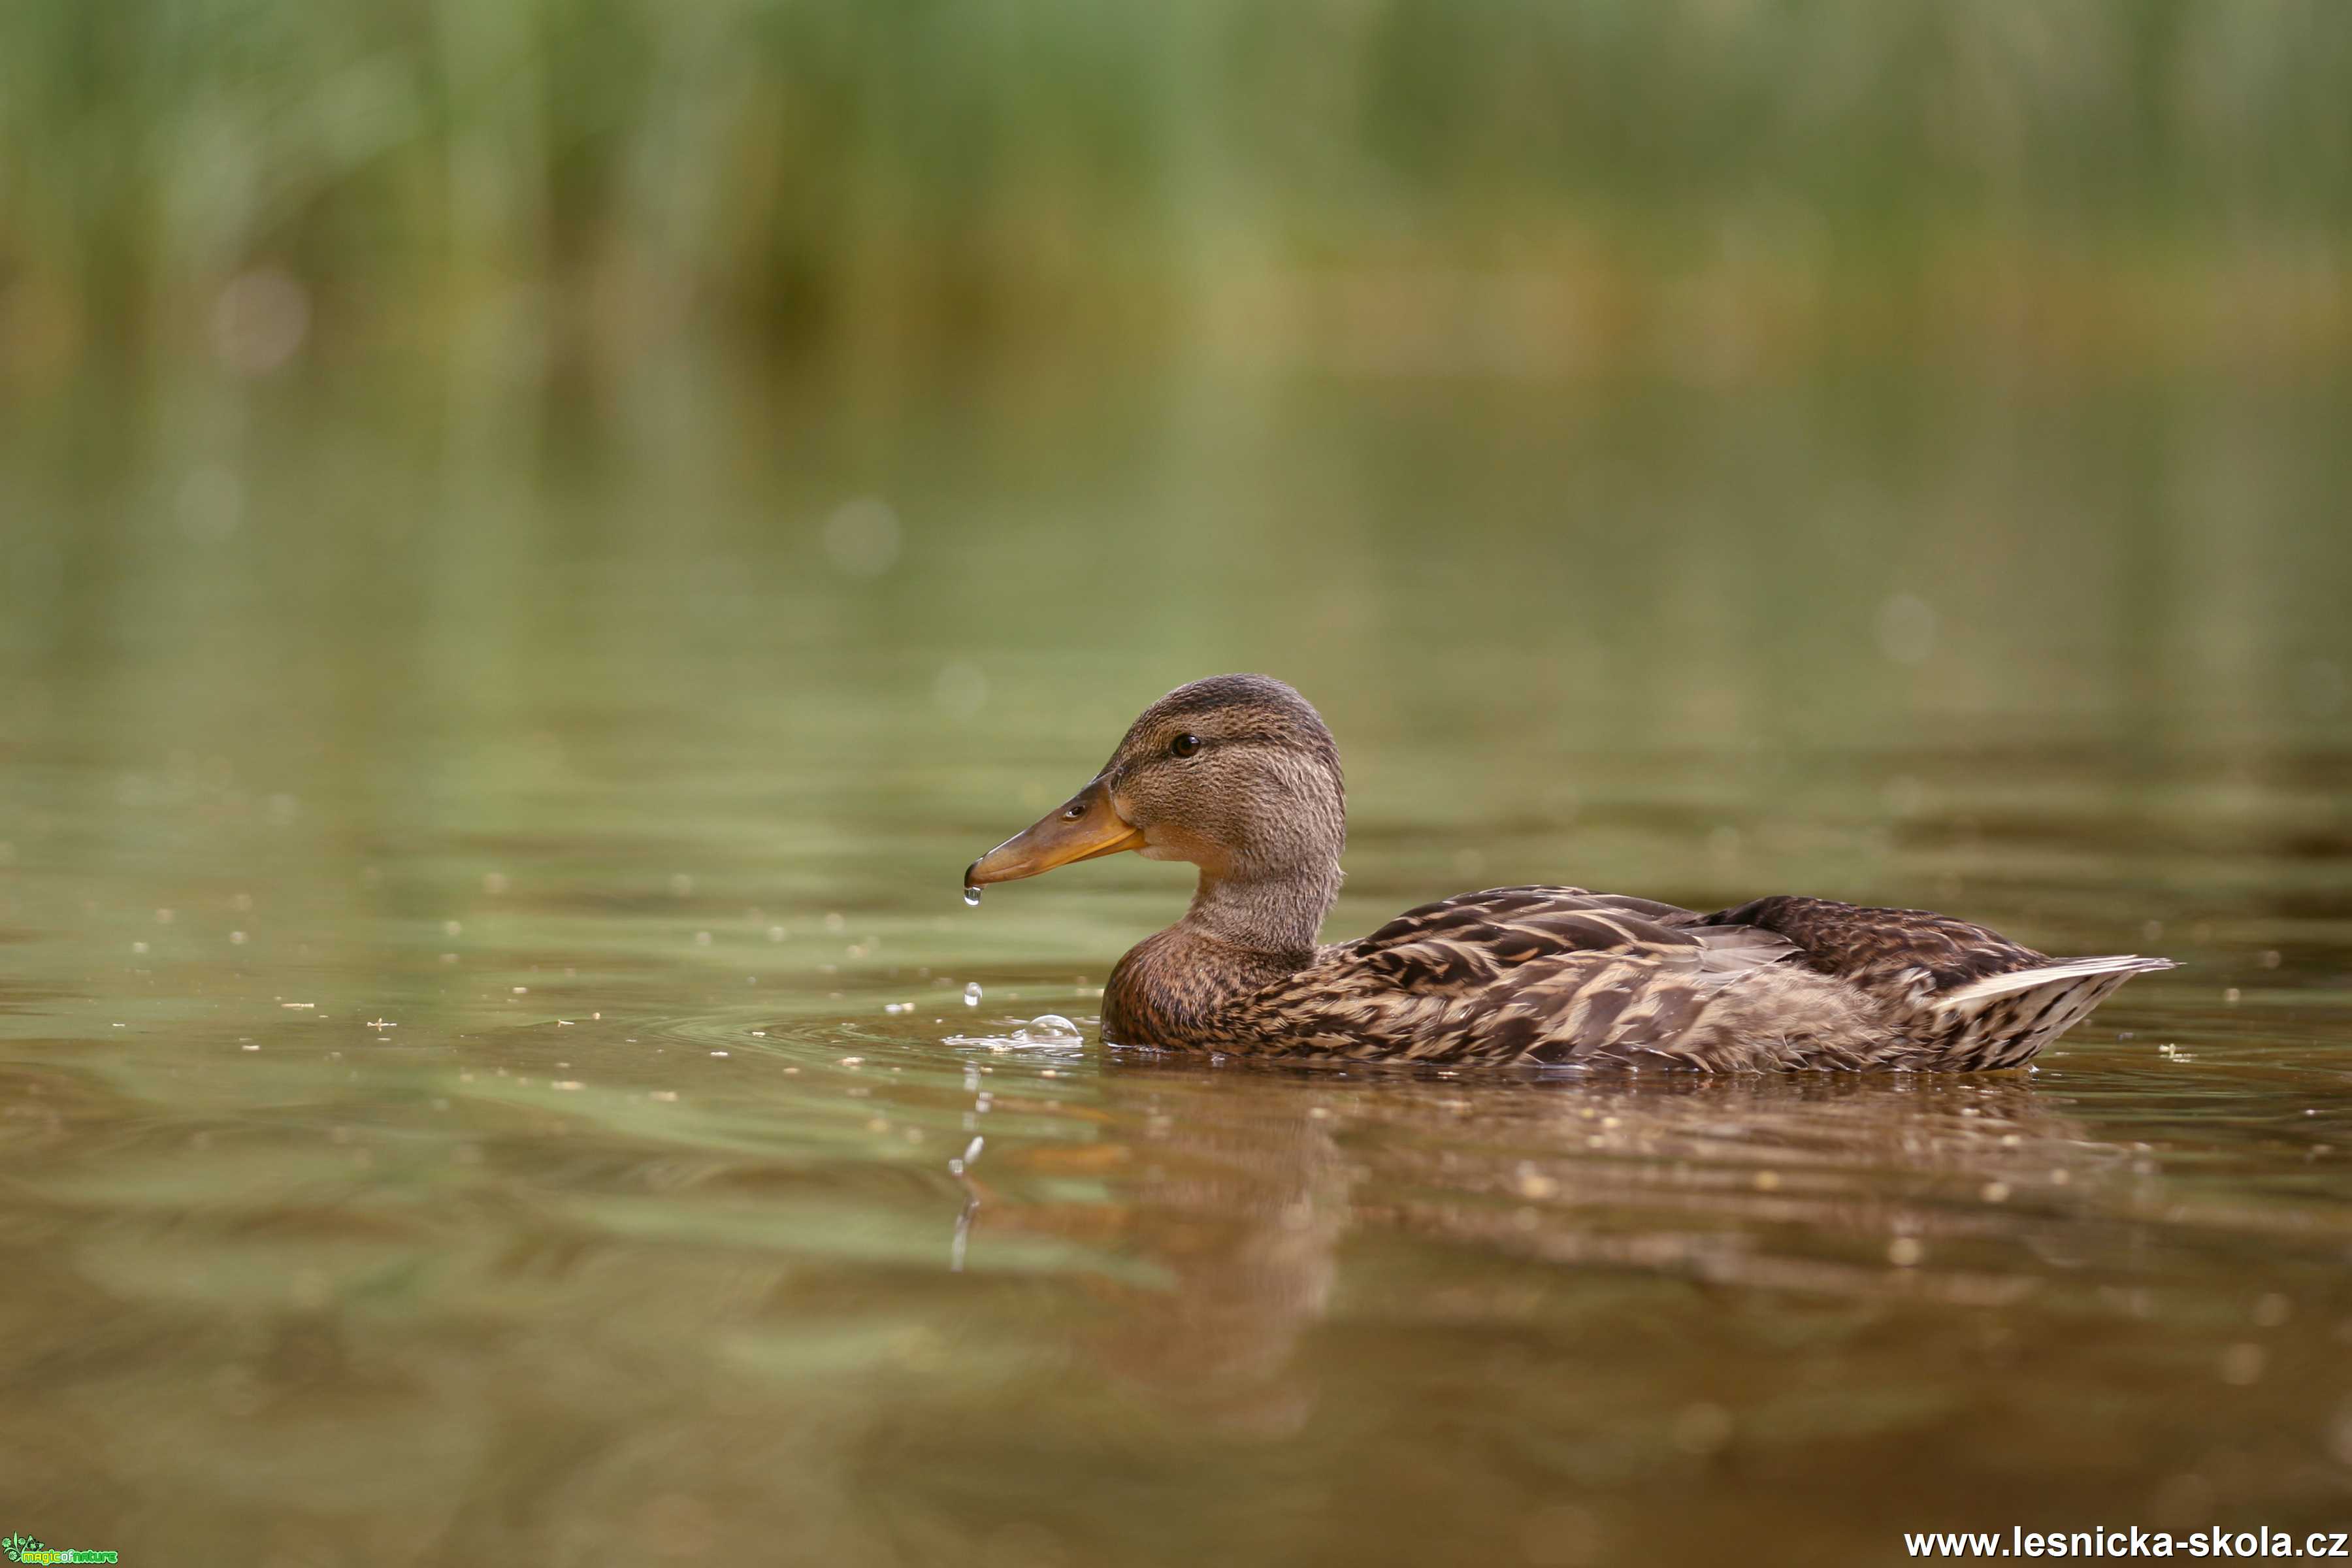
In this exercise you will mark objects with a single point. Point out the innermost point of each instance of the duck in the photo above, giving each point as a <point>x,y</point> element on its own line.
<point>1238,775</point>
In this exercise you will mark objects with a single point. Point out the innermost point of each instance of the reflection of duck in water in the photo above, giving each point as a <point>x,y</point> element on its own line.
<point>1807,1184</point>
<point>1250,1200</point>
<point>1238,775</point>
<point>1234,1219</point>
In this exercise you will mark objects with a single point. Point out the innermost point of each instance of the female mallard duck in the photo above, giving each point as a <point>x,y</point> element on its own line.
<point>1238,775</point>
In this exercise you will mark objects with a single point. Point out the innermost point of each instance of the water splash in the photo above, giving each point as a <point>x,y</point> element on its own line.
<point>1049,1035</point>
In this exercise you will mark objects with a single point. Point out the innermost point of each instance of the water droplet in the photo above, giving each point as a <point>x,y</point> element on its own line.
<point>972,897</point>
<point>971,994</point>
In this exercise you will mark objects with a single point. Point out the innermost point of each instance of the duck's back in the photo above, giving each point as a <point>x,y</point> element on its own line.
<point>1560,975</point>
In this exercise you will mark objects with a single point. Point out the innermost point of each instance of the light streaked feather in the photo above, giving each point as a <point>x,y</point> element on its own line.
<point>1962,997</point>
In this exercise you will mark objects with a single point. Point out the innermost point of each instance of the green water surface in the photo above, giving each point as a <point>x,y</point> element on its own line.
<point>490,1066</point>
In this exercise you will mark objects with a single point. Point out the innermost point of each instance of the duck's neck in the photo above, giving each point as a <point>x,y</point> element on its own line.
<point>1238,937</point>
<point>1276,919</point>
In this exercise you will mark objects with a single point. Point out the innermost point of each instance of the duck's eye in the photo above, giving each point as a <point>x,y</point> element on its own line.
<point>1184,745</point>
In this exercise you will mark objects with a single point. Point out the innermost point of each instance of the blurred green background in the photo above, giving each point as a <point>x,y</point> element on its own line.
<point>1675,358</point>
<point>1706,189</point>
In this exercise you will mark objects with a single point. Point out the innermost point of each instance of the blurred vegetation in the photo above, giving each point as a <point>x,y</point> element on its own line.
<point>1709,187</point>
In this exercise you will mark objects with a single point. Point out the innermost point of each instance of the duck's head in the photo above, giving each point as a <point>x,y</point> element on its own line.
<point>1236,773</point>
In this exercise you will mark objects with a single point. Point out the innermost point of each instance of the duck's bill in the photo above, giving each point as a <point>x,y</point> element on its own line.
<point>1085,829</point>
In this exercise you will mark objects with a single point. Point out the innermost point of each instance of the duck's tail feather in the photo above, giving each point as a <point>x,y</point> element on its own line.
<point>1977,991</point>
<point>2003,1020</point>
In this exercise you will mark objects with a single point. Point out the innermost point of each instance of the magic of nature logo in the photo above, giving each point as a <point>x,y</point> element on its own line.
<point>24,1548</point>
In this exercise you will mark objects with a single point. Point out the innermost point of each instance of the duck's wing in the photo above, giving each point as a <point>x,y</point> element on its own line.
<point>1480,936</point>
<point>1909,952</point>
<point>1531,974</point>
<point>1966,996</point>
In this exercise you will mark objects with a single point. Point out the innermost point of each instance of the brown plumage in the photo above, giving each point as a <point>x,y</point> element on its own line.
<point>1238,775</point>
